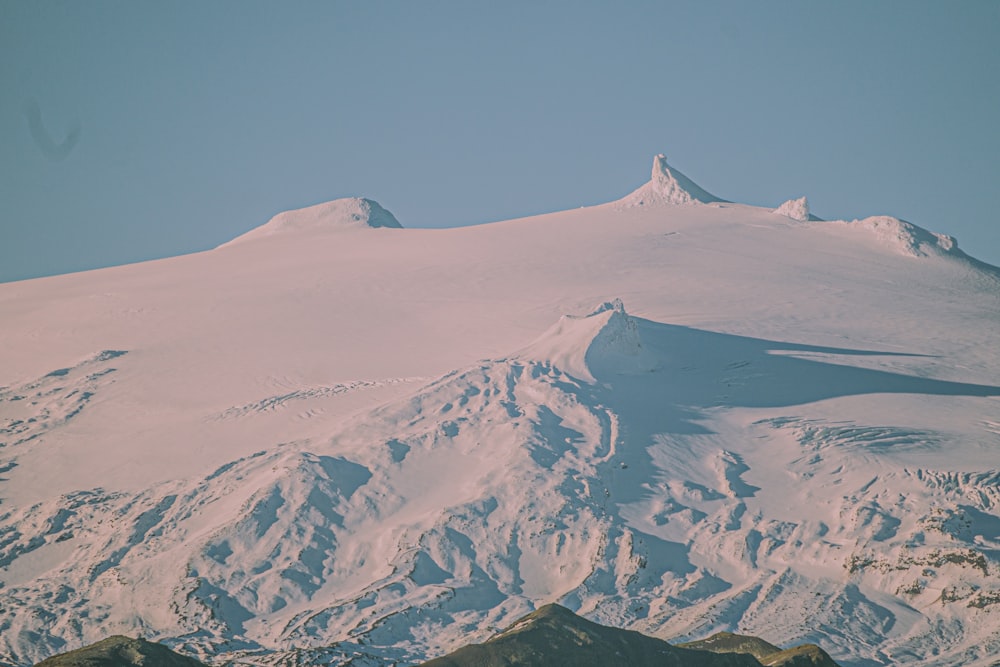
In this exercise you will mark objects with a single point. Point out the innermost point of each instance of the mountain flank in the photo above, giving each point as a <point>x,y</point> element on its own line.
<point>554,636</point>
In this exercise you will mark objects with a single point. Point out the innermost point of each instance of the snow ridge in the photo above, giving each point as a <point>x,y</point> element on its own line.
<point>667,186</point>
<point>347,213</point>
<point>606,339</point>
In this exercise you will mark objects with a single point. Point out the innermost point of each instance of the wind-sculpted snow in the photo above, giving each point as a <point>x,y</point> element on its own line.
<point>796,209</point>
<point>273,403</point>
<point>667,186</point>
<point>32,409</point>
<point>431,521</point>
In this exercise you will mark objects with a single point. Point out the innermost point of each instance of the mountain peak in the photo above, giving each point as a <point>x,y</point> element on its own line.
<point>668,186</point>
<point>549,613</point>
<point>796,209</point>
<point>347,213</point>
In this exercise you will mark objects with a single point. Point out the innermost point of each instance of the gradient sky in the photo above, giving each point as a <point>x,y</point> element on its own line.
<point>136,130</point>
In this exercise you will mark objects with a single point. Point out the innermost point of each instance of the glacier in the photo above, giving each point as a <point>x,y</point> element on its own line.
<point>336,440</point>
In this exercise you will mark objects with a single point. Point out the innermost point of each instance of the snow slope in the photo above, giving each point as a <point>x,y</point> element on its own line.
<point>338,443</point>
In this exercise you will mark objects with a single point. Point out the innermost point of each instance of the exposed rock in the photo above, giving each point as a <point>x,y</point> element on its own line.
<point>119,651</point>
<point>553,636</point>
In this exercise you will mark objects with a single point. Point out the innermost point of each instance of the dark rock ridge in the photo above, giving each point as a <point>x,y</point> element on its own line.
<point>807,655</point>
<point>553,636</point>
<point>119,651</point>
<point>767,654</point>
<point>727,642</point>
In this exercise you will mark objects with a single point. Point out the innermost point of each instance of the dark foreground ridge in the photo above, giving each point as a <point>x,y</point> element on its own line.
<point>767,654</point>
<point>119,651</point>
<point>553,636</point>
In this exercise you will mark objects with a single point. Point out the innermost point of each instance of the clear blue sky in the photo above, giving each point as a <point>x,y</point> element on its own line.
<point>135,130</point>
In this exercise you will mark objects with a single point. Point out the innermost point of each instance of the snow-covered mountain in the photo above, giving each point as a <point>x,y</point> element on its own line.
<point>341,440</point>
<point>336,215</point>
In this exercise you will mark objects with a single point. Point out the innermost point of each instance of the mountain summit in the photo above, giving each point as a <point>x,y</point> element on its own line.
<point>348,213</point>
<point>796,209</point>
<point>668,186</point>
